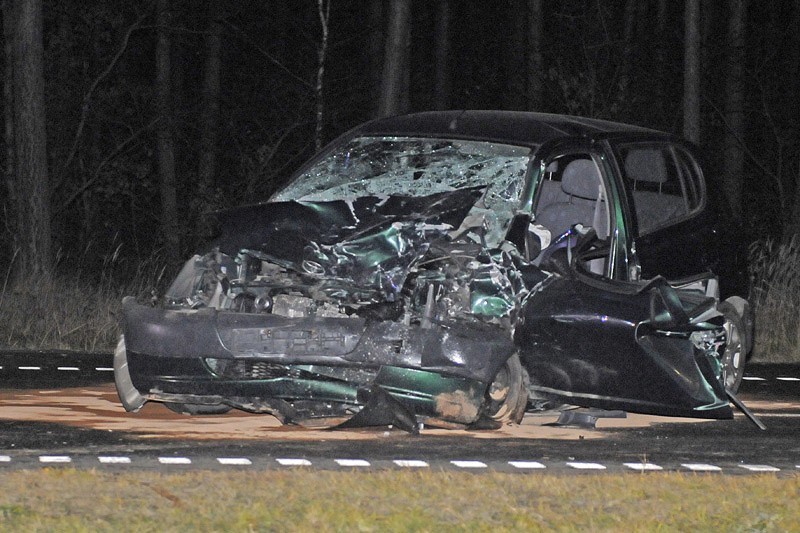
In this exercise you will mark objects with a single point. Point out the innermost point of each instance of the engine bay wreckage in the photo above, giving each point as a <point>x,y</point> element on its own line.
<point>419,297</point>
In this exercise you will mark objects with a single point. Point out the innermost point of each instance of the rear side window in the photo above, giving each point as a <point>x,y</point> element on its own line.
<point>664,181</point>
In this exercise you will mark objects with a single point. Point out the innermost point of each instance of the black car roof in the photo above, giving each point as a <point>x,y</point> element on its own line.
<point>511,127</point>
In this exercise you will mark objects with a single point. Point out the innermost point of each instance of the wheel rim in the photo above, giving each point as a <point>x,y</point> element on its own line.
<point>732,360</point>
<point>507,395</point>
<point>500,387</point>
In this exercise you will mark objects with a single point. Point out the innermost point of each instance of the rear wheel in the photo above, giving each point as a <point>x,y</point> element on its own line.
<point>508,393</point>
<point>733,358</point>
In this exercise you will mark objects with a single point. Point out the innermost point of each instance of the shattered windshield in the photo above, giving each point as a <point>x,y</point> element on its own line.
<point>409,166</point>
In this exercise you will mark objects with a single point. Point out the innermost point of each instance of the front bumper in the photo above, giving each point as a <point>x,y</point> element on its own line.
<point>299,367</point>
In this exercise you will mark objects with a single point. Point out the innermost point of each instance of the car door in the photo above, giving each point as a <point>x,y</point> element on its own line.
<point>674,234</point>
<point>639,347</point>
<point>595,338</point>
<point>576,185</point>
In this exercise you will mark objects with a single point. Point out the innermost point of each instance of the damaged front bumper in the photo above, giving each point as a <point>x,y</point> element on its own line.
<point>301,369</point>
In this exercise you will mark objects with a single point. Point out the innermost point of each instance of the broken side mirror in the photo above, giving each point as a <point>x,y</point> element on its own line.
<point>666,309</point>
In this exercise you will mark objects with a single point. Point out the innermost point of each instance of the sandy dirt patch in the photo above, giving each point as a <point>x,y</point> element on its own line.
<point>98,408</point>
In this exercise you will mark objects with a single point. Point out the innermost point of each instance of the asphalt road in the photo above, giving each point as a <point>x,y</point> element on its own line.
<point>60,409</point>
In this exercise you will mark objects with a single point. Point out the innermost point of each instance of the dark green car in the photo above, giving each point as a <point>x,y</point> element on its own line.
<point>455,269</point>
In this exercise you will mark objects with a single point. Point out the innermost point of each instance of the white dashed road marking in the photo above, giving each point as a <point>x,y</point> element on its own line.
<point>104,369</point>
<point>530,465</point>
<point>72,368</point>
<point>642,467</point>
<point>410,463</point>
<point>29,368</point>
<point>785,378</point>
<point>114,460</point>
<point>419,463</point>
<point>753,378</point>
<point>701,467</point>
<point>294,462</point>
<point>55,459</point>
<point>174,460</point>
<point>468,464</point>
<point>586,466</point>
<point>352,462</point>
<point>234,461</point>
<point>760,468</point>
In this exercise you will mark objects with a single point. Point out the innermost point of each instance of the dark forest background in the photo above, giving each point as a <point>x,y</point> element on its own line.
<point>125,121</point>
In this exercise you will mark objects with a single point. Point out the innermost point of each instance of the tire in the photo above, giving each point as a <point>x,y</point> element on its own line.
<point>130,398</point>
<point>508,393</point>
<point>733,360</point>
<point>198,408</point>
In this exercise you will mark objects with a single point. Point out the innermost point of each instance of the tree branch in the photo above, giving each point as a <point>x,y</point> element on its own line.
<point>88,183</point>
<point>750,155</point>
<point>88,97</point>
<point>266,54</point>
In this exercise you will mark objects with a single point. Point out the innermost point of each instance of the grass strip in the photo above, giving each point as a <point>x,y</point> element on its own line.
<point>303,500</point>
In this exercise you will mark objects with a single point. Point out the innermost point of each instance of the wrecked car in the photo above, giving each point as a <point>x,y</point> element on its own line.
<point>456,269</point>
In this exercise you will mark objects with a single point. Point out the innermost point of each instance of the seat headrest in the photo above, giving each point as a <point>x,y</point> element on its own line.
<point>646,164</point>
<point>581,179</point>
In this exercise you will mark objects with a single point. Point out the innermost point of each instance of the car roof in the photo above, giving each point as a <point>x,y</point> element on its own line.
<point>511,127</point>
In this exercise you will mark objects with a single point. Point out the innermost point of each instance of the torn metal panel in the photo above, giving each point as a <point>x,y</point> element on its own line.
<point>611,349</point>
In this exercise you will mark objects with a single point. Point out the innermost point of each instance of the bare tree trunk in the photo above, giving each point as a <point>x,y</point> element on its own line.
<point>734,104</point>
<point>691,71</point>
<point>209,113</point>
<point>535,64</point>
<point>441,43</point>
<point>375,49</point>
<point>324,12</point>
<point>628,35</point>
<point>793,224</point>
<point>8,114</point>
<point>515,57</point>
<point>30,184</point>
<point>394,89</point>
<point>660,57</point>
<point>166,142</point>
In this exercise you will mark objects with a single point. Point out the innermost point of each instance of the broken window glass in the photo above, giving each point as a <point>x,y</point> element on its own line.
<point>409,166</point>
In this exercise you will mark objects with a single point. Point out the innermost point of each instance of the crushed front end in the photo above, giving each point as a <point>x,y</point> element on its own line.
<point>321,307</point>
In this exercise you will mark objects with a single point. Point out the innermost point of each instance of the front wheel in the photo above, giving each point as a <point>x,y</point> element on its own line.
<point>131,399</point>
<point>508,393</point>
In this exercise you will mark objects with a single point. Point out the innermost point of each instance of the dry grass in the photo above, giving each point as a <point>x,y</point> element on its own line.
<point>76,309</point>
<point>775,269</point>
<point>70,500</point>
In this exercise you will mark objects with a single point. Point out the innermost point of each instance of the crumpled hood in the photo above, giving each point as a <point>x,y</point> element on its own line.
<point>369,241</point>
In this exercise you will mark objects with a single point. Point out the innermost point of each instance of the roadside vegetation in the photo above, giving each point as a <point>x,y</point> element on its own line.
<point>79,309</point>
<point>775,295</point>
<point>302,500</point>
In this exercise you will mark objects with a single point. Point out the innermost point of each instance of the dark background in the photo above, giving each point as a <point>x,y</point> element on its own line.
<point>618,60</point>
